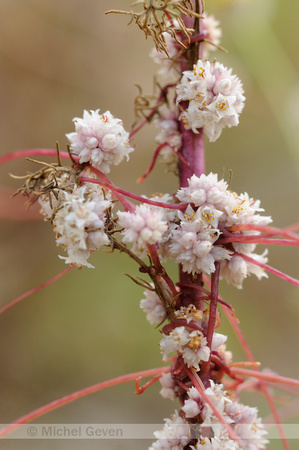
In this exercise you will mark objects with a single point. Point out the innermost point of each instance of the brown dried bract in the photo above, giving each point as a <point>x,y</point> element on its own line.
<point>160,16</point>
<point>48,180</point>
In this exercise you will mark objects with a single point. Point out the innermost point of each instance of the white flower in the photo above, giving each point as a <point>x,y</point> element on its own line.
<point>216,443</point>
<point>191,406</point>
<point>168,386</point>
<point>143,226</point>
<point>218,340</point>
<point>242,419</point>
<point>174,436</point>
<point>215,98</point>
<point>205,190</point>
<point>192,241</point>
<point>192,345</point>
<point>237,269</point>
<point>247,425</point>
<point>218,398</point>
<point>153,307</point>
<point>79,223</point>
<point>241,209</point>
<point>100,140</point>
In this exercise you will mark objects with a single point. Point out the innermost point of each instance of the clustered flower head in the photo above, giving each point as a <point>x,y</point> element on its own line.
<point>194,239</point>
<point>189,339</point>
<point>214,98</point>
<point>145,226</point>
<point>79,223</point>
<point>179,432</point>
<point>100,139</point>
<point>153,307</point>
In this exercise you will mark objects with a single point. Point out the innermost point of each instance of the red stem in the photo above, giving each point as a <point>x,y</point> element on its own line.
<point>193,152</point>
<point>270,269</point>
<point>36,289</point>
<point>76,395</point>
<point>33,152</point>
<point>258,240</point>
<point>152,164</point>
<point>193,377</point>
<point>109,185</point>
<point>287,232</point>
<point>269,377</point>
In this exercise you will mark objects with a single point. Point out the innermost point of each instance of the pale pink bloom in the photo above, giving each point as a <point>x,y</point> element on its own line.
<point>79,223</point>
<point>191,242</point>
<point>174,436</point>
<point>237,269</point>
<point>205,190</point>
<point>153,307</point>
<point>215,98</point>
<point>100,139</point>
<point>168,386</point>
<point>141,227</point>
<point>192,345</point>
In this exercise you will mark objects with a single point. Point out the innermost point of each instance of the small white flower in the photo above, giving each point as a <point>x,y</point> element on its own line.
<point>237,269</point>
<point>191,406</point>
<point>168,386</point>
<point>144,226</point>
<point>247,425</point>
<point>218,340</point>
<point>192,241</point>
<point>175,435</point>
<point>192,345</point>
<point>205,190</point>
<point>79,223</point>
<point>153,307</point>
<point>215,98</point>
<point>100,139</point>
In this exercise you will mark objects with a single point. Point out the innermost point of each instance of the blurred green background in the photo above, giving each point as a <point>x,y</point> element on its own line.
<point>59,57</point>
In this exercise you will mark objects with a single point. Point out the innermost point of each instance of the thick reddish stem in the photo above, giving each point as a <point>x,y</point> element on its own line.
<point>193,152</point>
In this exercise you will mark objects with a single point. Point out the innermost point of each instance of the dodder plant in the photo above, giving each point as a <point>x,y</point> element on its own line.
<point>208,230</point>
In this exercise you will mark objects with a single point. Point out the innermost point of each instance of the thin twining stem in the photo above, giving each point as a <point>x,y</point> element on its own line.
<point>270,269</point>
<point>113,188</point>
<point>35,289</point>
<point>76,395</point>
<point>251,358</point>
<point>269,377</point>
<point>254,239</point>
<point>271,231</point>
<point>198,384</point>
